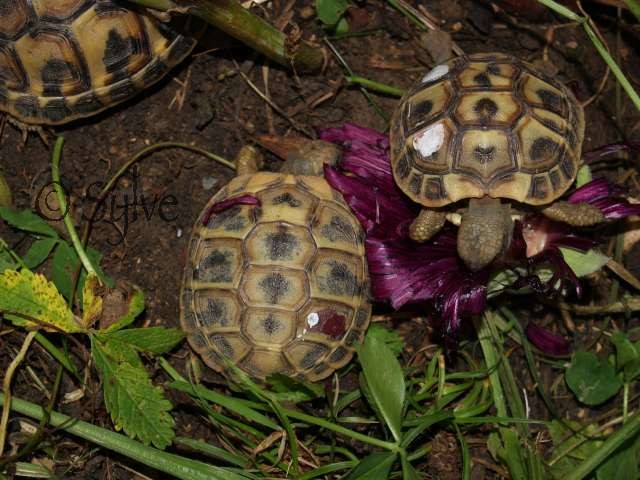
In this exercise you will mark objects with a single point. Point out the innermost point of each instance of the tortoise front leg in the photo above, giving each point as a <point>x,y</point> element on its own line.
<point>426,225</point>
<point>576,214</point>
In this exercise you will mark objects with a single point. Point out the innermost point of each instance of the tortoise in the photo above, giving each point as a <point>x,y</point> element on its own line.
<point>280,286</point>
<point>480,129</point>
<point>61,60</point>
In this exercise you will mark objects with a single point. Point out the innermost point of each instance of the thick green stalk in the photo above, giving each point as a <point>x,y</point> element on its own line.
<point>237,21</point>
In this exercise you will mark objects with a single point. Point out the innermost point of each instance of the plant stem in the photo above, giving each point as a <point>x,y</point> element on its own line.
<point>492,360</point>
<point>237,21</point>
<point>634,6</point>
<point>375,86</point>
<point>585,22</point>
<point>62,201</point>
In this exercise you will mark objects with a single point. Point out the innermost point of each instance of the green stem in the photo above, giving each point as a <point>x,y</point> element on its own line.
<point>62,201</point>
<point>491,359</point>
<point>180,467</point>
<point>375,86</point>
<point>585,22</point>
<point>237,21</point>
<point>634,6</point>
<point>628,431</point>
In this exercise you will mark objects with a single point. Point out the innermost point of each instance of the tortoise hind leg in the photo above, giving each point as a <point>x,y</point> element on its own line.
<point>576,214</point>
<point>248,160</point>
<point>426,225</point>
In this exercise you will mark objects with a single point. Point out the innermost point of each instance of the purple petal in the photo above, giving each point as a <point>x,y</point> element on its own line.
<point>546,341</point>
<point>220,207</point>
<point>606,196</point>
<point>600,152</point>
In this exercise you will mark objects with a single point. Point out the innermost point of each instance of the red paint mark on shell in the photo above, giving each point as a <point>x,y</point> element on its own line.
<point>220,207</point>
<point>329,322</point>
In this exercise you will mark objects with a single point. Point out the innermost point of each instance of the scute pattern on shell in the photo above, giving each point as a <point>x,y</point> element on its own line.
<point>280,287</point>
<point>66,59</point>
<point>486,124</point>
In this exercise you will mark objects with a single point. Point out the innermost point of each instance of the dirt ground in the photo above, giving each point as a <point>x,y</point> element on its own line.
<point>207,103</point>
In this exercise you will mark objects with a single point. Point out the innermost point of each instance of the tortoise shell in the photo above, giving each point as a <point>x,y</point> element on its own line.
<point>486,124</point>
<point>279,287</point>
<point>65,59</point>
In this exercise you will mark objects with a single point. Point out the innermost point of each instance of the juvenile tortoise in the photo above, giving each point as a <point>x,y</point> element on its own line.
<point>483,128</point>
<point>66,59</point>
<point>277,283</point>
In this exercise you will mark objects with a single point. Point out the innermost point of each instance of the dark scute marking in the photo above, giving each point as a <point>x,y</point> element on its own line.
<point>275,287</point>
<point>568,168</point>
<point>351,338</point>
<point>287,198</point>
<point>543,148</point>
<point>27,106</point>
<point>231,219</point>
<point>415,183</point>
<point>154,71</point>
<point>122,90</point>
<point>338,354</point>
<point>551,124</point>
<point>319,368</point>
<point>222,345</point>
<point>53,74</point>
<point>338,229</point>
<point>486,109</point>
<point>538,188</point>
<point>179,50</point>
<point>402,167</point>
<point>87,104</point>
<point>215,314</point>
<point>493,69</point>
<point>550,99</point>
<point>572,139</point>
<point>341,280</point>
<point>199,341</point>
<point>271,324</point>
<point>281,245</point>
<point>215,267</point>
<point>433,189</point>
<point>362,316</point>
<point>422,109</point>
<point>190,321</point>
<point>3,94</point>
<point>311,357</point>
<point>556,181</point>
<point>484,155</point>
<point>117,53</point>
<point>482,79</point>
<point>56,110</point>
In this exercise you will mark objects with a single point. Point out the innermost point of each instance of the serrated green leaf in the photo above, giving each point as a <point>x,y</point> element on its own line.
<point>32,295</point>
<point>27,220</point>
<point>391,338</point>
<point>135,306</point>
<point>330,11</point>
<point>134,403</point>
<point>584,263</point>
<point>627,355</point>
<point>593,381</point>
<point>288,389</point>
<point>154,340</point>
<point>385,380</point>
<point>38,252</point>
<point>375,466</point>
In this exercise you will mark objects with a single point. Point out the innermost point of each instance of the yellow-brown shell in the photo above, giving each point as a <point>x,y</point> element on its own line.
<point>486,124</point>
<point>279,287</point>
<point>66,59</point>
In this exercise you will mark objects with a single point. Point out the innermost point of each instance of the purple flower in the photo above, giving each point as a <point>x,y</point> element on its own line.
<point>605,196</point>
<point>546,341</point>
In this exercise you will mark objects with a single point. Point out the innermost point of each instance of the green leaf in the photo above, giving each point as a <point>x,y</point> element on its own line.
<point>154,340</point>
<point>391,338</point>
<point>384,378</point>
<point>375,466</point>
<point>135,306</point>
<point>627,356</point>
<point>288,389</point>
<point>7,262</point>
<point>27,220</point>
<point>584,176</point>
<point>592,380</point>
<point>32,295</point>
<point>584,263</point>
<point>622,464</point>
<point>330,11</point>
<point>38,252</point>
<point>341,27</point>
<point>64,265</point>
<point>5,192</point>
<point>135,404</point>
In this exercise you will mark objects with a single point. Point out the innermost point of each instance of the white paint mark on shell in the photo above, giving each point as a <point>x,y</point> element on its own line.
<point>430,140</point>
<point>312,319</point>
<point>436,73</point>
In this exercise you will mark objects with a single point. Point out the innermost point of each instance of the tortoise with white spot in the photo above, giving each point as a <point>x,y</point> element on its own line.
<point>66,59</point>
<point>278,283</point>
<point>481,129</point>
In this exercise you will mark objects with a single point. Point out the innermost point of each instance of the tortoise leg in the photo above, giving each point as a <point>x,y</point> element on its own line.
<point>576,214</point>
<point>248,160</point>
<point>485,232</point>
<point>426,225</point>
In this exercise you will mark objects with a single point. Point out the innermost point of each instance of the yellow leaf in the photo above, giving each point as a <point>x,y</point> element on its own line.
<point>91,300</point>
<point>29,295</point>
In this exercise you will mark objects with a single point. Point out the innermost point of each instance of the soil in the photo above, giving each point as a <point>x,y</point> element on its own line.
<point>220,112</point>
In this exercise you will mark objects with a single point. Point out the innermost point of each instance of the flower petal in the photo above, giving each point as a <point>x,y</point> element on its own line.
<point>546,341</point>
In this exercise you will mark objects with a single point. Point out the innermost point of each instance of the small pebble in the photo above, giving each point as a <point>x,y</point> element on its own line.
<point>178,232</point>
<point>209,182</point>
